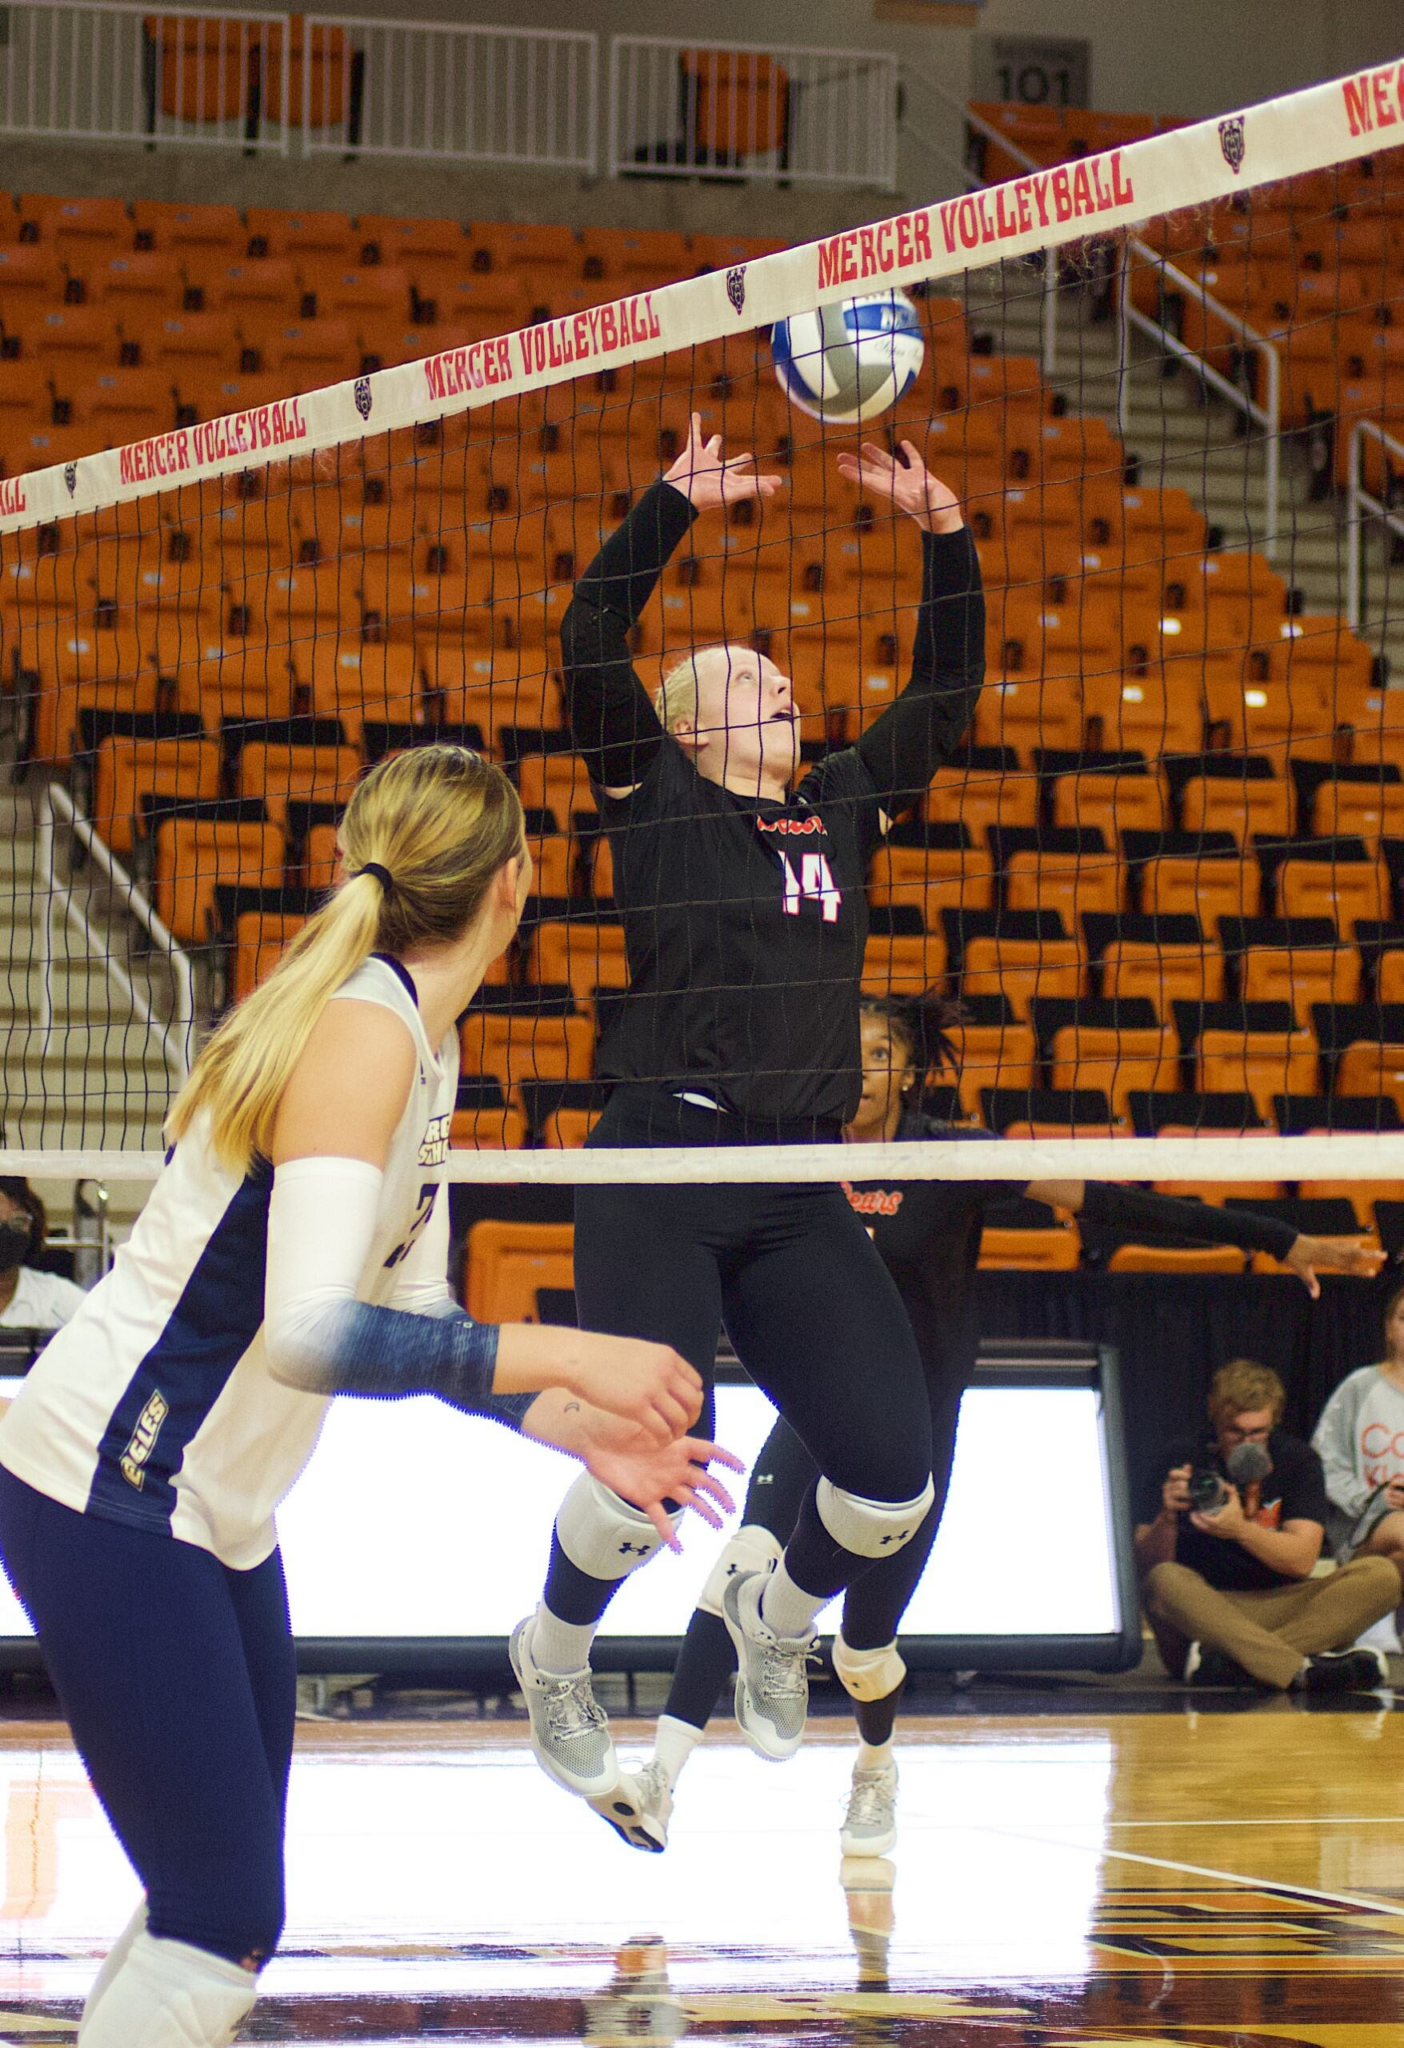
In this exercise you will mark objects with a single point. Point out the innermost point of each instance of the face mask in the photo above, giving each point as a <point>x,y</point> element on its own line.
<point>16,1235</point>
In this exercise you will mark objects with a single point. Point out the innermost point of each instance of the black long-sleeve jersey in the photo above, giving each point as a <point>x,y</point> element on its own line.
<point>745,919</point>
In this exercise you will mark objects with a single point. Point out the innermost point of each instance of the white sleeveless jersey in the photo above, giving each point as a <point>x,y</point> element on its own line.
<point>154,1405</point>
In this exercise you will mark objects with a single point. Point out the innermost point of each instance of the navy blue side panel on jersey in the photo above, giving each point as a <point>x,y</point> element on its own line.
<point>186,1370</point>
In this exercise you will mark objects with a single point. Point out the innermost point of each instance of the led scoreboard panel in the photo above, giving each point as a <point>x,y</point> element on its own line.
<point>420,1535</point>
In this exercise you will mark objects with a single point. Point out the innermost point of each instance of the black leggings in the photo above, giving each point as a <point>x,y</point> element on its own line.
<point>873,1604</point>
<point>178,1680</point>
<point>811,1311</point>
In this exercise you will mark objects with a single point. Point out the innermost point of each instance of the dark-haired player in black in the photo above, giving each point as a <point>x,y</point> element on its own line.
<point>927,1233</point>
<point>745,919</point>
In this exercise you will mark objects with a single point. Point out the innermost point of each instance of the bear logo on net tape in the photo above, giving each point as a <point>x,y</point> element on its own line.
<point>364,400</point>
<point>1231,142</point>
<point>70,477</point>
<point>736,286</point>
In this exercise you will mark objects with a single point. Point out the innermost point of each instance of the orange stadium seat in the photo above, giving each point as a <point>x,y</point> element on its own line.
<point>320,854</point>
<point>567,1129</point>
<point>194,854</point>
<point>527,1047</point>
<point>932,878</point>
<point>586,954</point>
<point>1165,974</point>
<point>1344,890</point>
<point>1056,1248</point>
<point>1208,888</point>
<point>487,1130</point>
<point>281,775</point>
<point>1259,1063</point>
<point>1365,810</point>
<point>1073,883</point>
<point>505,1263</point>
<point>992,1056</point>
<point>1021,969</point>
<point>1113,802</point>
<point>903,965</point>
<point>1242,806</point>
<point>980,798</point>
<point>128,770</point>
<point>1143,1258</point>
<point>1115,1061</point>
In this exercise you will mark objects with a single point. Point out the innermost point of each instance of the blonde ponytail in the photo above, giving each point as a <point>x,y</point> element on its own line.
<point>438,822</point>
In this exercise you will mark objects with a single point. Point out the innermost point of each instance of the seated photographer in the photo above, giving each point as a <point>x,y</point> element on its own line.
<point>1360,1441</point>
<point>1226,1565</point>
<point>29,1299</point>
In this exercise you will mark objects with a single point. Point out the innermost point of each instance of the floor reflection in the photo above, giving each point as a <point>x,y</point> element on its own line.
<point>1200,1880</point>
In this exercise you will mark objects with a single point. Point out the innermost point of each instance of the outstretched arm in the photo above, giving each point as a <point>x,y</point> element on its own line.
<point>1122,1208</point>
<point>914,737</point>
<point>611,715</point>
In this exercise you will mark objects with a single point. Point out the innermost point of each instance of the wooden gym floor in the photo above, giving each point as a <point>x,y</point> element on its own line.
<point>1230,1878</point>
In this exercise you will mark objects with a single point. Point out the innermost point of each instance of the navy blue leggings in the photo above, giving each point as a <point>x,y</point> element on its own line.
<point>178,1680</point>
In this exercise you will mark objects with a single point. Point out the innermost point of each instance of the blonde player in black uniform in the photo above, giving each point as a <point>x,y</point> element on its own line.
<point>745,919</point>
<point>294,1247</point>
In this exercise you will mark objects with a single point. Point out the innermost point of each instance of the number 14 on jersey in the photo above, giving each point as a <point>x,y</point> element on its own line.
<point>809,875</point>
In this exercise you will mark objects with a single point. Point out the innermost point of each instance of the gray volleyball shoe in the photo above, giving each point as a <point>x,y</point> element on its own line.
<point>772,1672</point>
<point>870,1825</point>
<point>569,1731</point>
<point>639,1807</point>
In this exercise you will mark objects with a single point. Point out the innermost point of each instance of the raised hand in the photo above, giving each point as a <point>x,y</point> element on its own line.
<point>1332,1255</point>
<point>908,482</point>
<point>710,479</point>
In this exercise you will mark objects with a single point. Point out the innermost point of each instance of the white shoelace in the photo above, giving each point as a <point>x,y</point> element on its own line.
<point>571,1708</point>
<point>870,1799</point>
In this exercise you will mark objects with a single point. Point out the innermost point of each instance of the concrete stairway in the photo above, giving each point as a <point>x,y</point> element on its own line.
<point>1185,443</point>
<point>98,1076</point>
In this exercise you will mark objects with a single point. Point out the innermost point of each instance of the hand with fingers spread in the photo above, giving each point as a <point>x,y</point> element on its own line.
<point>710,479</point>
<point>1332,1255</point>
<point>647,1474</point>
<point>907,482</point>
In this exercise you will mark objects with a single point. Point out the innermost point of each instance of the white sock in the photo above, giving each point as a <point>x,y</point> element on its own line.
<point>786,1607</point>
<point>673,1744</point>
<point>169,1995</point>
<point>116,1956</point>
<point>874,1756</point>
<point>560,1647</point>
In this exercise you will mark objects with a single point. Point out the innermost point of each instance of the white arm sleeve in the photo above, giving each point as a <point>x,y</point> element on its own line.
<point>321,1338</point>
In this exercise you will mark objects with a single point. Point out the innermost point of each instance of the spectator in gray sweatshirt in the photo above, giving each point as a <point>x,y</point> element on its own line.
<point>1360,1442</point>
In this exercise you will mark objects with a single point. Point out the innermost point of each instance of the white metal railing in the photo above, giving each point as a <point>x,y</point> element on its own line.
<point>175,1037</point>
<point>755,111</point>
<point>1362,504</point>
<point>103,71</point>
<point>1264,413</point>
<point>454,91</point>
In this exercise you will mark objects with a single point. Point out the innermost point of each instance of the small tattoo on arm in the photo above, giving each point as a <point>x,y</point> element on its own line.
<point>572,1408</point>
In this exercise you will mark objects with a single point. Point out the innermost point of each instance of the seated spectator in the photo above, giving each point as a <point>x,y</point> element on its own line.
<point>1360,1441</point>
<point>1228,1584</point>
<point>29,1300</point>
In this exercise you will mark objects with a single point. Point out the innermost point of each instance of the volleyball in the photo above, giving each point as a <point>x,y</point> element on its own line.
<point>847,363</point>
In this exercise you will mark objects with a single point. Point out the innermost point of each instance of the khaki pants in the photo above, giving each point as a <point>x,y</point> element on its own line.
<point>1270,1634</point>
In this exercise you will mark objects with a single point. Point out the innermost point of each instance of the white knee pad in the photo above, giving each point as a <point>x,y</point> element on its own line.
<point>601,1534</point>
<point>871,1528</point>
<point>169,1995</point>
<point>751,1549</point>
<point>868,1674</point>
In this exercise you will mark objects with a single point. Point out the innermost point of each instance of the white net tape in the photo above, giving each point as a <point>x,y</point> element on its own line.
<point>1282,138</point>
<point>1339,1156</point>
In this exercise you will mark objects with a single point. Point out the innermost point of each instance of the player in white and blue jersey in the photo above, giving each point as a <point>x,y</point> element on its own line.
<point>294,1247</point>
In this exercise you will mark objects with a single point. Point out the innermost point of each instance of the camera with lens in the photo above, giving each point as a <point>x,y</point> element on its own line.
<point>1208,1487</point>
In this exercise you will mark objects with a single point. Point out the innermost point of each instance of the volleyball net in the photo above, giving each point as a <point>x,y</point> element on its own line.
<point>1161,877</point>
